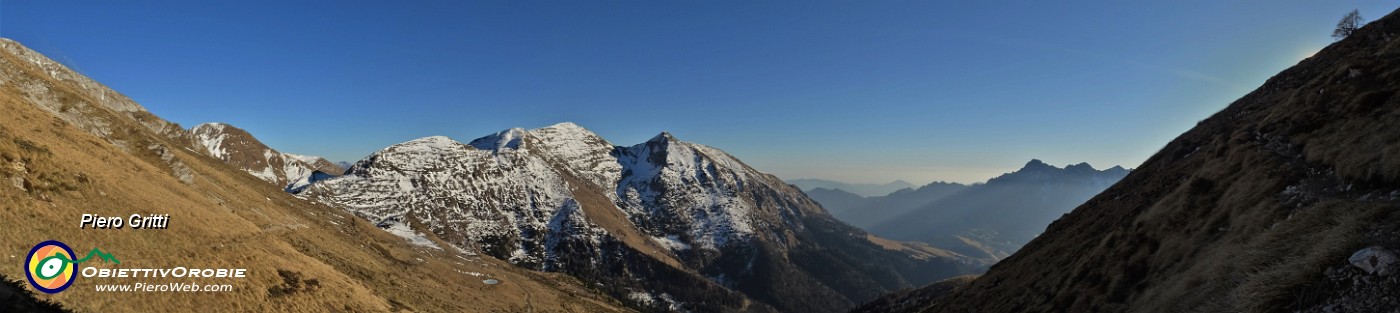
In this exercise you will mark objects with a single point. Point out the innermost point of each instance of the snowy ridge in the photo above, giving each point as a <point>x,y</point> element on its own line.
<point>501,200</point>
<point>238,148</point>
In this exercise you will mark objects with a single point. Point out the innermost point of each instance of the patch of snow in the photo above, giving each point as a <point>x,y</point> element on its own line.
<point>403,230</point>
<point>265,174</point>
<point>211,136</point>
<point>671,242</point>
<point>641,297</point>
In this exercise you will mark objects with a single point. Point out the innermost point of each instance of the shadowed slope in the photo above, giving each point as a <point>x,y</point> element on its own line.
<point>1256,209</point>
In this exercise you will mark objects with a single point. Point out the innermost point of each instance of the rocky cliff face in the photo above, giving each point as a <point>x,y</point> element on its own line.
<point>1266,206</point>
<point>669,225</point>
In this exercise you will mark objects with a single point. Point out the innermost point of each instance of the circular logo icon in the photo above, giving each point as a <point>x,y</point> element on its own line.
<point>49,266</point>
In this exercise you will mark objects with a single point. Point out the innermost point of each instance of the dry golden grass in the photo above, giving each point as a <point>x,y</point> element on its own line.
<point>225,218</point>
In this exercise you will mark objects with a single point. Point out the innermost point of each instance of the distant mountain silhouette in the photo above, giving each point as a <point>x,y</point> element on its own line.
<point>865,190</point>
<point>996,218</point>
<point>865,212</point>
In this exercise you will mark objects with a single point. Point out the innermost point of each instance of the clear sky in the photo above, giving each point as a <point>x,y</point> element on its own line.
<point>860,91</point>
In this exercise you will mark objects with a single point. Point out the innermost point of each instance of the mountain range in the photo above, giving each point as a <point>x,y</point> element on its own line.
<point>864,212</point>
<point>864,190</point>
<point>663,225</point>
<point>989,220</point>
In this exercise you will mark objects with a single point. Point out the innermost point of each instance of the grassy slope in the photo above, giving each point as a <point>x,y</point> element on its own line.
<point>224,218</point>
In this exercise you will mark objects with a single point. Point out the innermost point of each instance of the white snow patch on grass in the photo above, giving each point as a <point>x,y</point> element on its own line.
<point>671,242</point>
<point>413,237</point>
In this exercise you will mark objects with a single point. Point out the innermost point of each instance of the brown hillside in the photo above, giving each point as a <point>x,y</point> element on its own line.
<point>1256,209</point>
<point>70,146</point>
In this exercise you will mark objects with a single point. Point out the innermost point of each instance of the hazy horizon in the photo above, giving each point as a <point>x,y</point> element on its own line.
<point>852,92</point>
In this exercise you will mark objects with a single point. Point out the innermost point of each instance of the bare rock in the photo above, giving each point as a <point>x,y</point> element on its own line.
<point>1374,260</point>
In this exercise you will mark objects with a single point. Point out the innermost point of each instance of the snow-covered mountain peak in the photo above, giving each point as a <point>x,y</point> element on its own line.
<point>663,137</point>
<point>583,152</point>
<point>565,126</point>
<point>430,144</point>
<point>568,134</point>
<point>506,139</point>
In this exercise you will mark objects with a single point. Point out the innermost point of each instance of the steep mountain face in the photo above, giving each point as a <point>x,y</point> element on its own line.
<point>867,212</point>
<point>994,219</point>
<point>665,224</point>
<point>70,146</point>
<point>237,147</point>
<point>1288,200</point>
<point>864,190</point>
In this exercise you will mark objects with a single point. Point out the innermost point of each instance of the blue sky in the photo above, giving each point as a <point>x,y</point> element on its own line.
<point>860,91</point>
